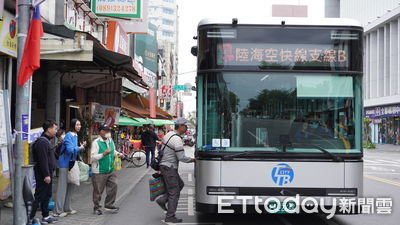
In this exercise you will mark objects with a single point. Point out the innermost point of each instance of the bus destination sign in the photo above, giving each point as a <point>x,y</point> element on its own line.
<point>299,55</point>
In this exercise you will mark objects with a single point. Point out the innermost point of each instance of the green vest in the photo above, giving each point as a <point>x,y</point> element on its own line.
<point>107,162</point>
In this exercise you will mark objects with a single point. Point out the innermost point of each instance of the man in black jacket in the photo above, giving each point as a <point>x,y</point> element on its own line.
<point>45,164</point>
<point>149,139</point>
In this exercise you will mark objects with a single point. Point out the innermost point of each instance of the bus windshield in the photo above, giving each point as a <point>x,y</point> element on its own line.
<point>253,111</point>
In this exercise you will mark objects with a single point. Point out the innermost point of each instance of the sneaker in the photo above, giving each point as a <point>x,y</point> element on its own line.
<point>73,212</point>
<point>98,212</point>
<point>49,220</point>
<point>111,208</point>
<point>173,220</point>
<point>162,204</point>
<point>64,214</point>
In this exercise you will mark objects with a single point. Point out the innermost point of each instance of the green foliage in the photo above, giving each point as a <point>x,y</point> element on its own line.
<point>369,145</point>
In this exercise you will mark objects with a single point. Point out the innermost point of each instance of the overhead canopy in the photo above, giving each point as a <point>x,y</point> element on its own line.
<point>159,122</point>
<point>136,105</point>
<point>101,62</point>
<point>127,121</point>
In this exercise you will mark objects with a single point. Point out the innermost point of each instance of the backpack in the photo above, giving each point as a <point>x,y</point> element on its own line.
<point>35,142</point>
<point>155,163</point>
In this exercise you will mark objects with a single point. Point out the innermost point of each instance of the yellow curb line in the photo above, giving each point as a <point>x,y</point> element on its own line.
<point>382,180</point>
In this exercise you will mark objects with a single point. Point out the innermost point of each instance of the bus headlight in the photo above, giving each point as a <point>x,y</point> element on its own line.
<point>222,191</point>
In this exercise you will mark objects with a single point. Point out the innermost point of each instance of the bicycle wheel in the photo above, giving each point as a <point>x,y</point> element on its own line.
<point>138,158</point>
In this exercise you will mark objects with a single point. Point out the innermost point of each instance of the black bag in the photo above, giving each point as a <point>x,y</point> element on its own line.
<point>155,163</point>
<point>34,145</point>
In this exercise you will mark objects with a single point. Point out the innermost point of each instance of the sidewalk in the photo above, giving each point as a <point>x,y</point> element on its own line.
<point>82,199</point>
<point>386,148</point>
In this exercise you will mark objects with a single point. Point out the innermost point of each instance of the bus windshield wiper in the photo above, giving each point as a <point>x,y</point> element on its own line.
<point>335,157</point>
<point>231,156</point>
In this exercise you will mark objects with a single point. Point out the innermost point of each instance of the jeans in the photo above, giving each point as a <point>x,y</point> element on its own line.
<point>149,150</point>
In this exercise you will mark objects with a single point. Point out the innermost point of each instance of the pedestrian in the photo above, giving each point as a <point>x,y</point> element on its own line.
<point>149,141</point>
<point>173,153</point>
<point>45,164</point>
<point>68,155</point>
<point>103,153</point>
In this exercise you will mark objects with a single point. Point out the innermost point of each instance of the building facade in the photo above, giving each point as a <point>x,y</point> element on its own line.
<point>381,21</point>
<point>164,15</point>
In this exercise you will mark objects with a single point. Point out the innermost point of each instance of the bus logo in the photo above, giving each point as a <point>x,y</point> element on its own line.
<point>282,174</point>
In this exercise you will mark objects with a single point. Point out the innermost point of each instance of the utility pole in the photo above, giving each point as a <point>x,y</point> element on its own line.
<point>22,115</point>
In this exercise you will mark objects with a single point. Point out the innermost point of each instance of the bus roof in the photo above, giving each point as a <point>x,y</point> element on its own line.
<point>288,21</point>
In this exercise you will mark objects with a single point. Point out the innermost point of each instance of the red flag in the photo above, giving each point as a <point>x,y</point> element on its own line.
<point>31,58</point>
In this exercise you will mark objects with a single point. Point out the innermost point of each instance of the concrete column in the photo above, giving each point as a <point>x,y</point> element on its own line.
<point>386,61</point>
<point>60,12</point>
<point>53,96</point>
<point>393,58</point>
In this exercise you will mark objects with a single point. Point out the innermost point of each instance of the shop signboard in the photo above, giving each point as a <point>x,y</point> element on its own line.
<point>146,50</point>
<point>117,38</point>
<point>383,111</point>
<point>8,34</point>
<point>118,8</point>
<point>106,114</point>
<point>5,126</point>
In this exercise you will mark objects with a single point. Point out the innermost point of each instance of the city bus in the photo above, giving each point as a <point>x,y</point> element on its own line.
<point>279,110</point>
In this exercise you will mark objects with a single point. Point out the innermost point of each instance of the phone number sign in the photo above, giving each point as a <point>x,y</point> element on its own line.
<point>117,8</point>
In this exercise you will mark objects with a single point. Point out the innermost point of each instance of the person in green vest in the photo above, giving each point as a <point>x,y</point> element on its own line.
<point>103,153</point>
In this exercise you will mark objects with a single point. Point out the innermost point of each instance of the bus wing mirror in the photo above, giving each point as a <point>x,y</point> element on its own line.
<point>194,50</point>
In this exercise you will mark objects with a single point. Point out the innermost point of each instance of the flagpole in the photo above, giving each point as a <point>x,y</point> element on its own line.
<point>22,113</point>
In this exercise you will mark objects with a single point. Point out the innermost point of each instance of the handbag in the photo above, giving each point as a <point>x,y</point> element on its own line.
<point>74,175</point>
<point>157,187</point>
<point>83,171</point>
<point>155,163</point>
<point>117,162</point>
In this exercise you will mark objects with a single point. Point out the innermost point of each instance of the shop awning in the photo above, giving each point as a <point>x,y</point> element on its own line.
<point>94,62</point>
<point>127,121</point>
<point>136,105</point>
<point>159,122</point>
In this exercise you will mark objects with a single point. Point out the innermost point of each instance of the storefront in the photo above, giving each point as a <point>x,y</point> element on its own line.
<point>8,53</point>
<point>383,124</point>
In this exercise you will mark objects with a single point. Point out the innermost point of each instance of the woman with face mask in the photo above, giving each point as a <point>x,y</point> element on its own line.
<point>66,161</point>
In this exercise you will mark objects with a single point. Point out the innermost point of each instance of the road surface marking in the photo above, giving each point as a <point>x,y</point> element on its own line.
<point>386,161</point>
<point>382,180</point>
<point>190,191</point>
<point>369,161</point>
<point>388,173</point>
<point>381,164</point>
<point>190,206</point>
<point>377,168</point>
<point>284,220</point>
<point>190,177</point>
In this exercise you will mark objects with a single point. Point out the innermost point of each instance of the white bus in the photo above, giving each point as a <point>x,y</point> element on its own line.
<point>279,110</point>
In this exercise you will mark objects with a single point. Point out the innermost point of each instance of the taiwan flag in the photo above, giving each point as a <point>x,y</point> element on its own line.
<point>31,58</point>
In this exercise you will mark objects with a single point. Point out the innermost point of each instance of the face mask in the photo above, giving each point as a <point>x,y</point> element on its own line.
<point>314,125</point>
<point>62,136</point>
<point>108,135</point>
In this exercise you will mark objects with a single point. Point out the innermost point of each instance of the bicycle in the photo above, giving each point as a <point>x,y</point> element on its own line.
<point>137,157</point>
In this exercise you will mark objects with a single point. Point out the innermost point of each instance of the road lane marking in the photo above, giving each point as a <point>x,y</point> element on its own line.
<point>387,173</point>
<point>381,164</point>
<point>190,191</point>
<point>190,206</point>
<point>190,177</point>
<point>386,161</point>
<point>382,180</point>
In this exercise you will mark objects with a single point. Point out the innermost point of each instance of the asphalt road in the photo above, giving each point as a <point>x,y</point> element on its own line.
<point>381,179</point>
